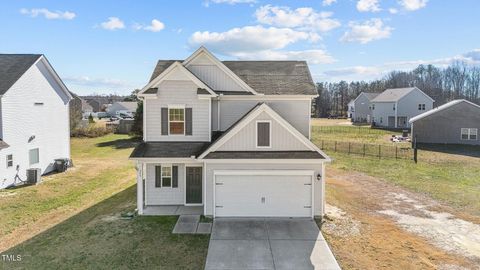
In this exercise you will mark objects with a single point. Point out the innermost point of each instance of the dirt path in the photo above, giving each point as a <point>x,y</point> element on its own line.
<point>372,224</point>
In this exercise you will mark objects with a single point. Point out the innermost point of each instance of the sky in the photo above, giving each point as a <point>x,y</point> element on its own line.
<point>107,47</point>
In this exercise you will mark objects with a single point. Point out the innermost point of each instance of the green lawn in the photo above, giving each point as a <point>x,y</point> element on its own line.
<point>450,178</point>
<point>73,220</point>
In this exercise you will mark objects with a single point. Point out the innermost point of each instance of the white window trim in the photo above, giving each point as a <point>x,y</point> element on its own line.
<point>8,160</point>
<point>270,133</point>
<point>38,151</point>
<point>171,175</point>
<point>469,133</point>
<point>176,106</point>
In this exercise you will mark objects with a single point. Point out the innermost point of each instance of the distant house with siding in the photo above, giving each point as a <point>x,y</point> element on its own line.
<point>393,108</point>
<point>34,117</point>
<point>124,107</point>
<point>456,122</point>
<point>360,110</point>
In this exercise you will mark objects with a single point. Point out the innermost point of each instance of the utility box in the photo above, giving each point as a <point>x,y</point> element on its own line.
<point>61,164</point>
<point>34,176</point>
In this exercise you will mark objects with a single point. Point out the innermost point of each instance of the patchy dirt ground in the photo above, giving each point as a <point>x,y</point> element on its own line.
<point>372,224</point>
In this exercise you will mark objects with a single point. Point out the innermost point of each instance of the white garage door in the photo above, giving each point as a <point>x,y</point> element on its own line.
<point>266,195</point>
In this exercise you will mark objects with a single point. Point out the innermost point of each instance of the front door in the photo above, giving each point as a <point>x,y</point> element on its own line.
<point>193,189</point>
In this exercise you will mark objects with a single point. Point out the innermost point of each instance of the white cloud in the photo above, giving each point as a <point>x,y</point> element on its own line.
<point>368,5</point>
<point>50,15</point>
<point>113,23</point>
<point>393,10</point>
<point>249,39</point>
<point>328,2</point>
<point>366,31</point>
<point>311,56</point>
<point>155,26</point>
<point>374,72</point>
<point>97,82</point>
<point>304,18</point>
<point>230,2</point>
<point>412,5</point>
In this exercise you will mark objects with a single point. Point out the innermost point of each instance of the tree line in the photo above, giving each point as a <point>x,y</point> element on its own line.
<point>457,81</point>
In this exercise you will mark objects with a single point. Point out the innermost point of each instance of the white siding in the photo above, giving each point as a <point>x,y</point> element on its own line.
<point>281,138</point>
<point>255,165</point>
<point>362,109</point>
<point>296,112</point>
<point>408,105</point>
<point>381,113</point>
<point>177,92</point>
<point>166,195</point>
<point>22,119</point>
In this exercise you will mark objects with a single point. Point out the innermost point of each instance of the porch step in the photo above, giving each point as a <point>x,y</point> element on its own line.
<point>190,224</point>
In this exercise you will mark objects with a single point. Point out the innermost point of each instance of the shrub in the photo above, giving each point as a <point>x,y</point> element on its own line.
<point>90,119</point>
<point>92,131</point>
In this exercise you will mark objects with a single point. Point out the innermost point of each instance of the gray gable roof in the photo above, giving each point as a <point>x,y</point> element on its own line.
<point>393,94</point>
<point>12,67</point>
<point>266,77</point>
<point>371,96</point>
<point>168,149</point>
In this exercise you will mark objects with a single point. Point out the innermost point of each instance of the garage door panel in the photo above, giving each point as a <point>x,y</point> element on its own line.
<point>263,195</point>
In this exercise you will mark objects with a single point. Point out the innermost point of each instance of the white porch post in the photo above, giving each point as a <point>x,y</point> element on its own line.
<point>140,188</point>
<point>324,199</point>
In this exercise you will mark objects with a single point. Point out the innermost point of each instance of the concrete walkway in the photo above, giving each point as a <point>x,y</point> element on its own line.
<point>268,244</point>
<point>190,224</point>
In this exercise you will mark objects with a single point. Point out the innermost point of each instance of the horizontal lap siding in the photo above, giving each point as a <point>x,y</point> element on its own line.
<point>245,139</point>
<point>177,92</point>
<point>408,105</point>
<point>296,112</point>
<point>163,196</point>
<point>444,126</point>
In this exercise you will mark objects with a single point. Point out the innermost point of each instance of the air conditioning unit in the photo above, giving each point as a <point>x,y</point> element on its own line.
<point>34,176</point>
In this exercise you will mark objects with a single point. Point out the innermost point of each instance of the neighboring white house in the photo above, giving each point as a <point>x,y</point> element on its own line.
<point>393,108</point>
<point>360,109</point>
<point>230,138</point>
<point>122,108</point>
<point>34,116</point>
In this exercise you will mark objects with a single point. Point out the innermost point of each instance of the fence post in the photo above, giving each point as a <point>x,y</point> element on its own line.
<point>349,145</point>
<point>396,152</point>
<point>379,151</point>
<point>335,146</point>
<point>363,149</point>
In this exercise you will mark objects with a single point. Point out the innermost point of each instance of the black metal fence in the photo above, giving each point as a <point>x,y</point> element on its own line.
<point>366,149</point>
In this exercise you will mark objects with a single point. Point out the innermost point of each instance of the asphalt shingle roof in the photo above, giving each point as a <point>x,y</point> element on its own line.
<point>266,77</point>
<point>12,67</point>
<point>168,149</point>
<point>393,94</point>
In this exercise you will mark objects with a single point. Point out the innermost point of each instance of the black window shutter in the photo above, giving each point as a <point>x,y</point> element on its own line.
<point>174,176</point>
<point>158,176</point>
<point>188,121</point>
<point>164,121</point>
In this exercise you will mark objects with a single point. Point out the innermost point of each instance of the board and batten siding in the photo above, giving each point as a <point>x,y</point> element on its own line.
<point>27,125</point>
<point>255,165</point>
<point>246,140</point>
<point>295,112</point>
<point>212,75</point>
<point>164,195</point>
<point>177,92</point>
<point>444,127</point>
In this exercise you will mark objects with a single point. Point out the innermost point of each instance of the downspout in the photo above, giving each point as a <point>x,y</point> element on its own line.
<point>396,114</point>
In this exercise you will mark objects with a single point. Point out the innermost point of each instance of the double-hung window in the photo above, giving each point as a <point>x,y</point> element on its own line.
<point>34,156</point>
<point>176,120</point>
<point>469,134</point>
<point>9,161</point>
<point>421,107</point>
<point>163,176</point>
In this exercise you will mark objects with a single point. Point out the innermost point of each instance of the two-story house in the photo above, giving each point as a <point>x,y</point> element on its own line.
<point>34,117</point>
<point>360,109</point>
<point>230,138</point>
<point>393,108</point>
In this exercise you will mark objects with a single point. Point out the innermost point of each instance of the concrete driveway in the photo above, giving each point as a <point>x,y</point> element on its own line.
<point>252,243</point>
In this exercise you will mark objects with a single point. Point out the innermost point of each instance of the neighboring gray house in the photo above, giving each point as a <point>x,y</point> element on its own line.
<point>393,108</point>
<point>34,117</point>
<point>230,139</point>
<point>360,110</point>
<point>456,122</point>
<point>124,107</point>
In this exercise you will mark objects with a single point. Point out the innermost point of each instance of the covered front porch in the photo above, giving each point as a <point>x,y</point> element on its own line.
<point>172,210</point>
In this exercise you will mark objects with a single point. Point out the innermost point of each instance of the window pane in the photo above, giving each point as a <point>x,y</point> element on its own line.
<point>176,114</point>
<point>34,156</point>
<point>167,171</point>
<point>176,128</point>
<point>166,181</point>
<point>473,133</point>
